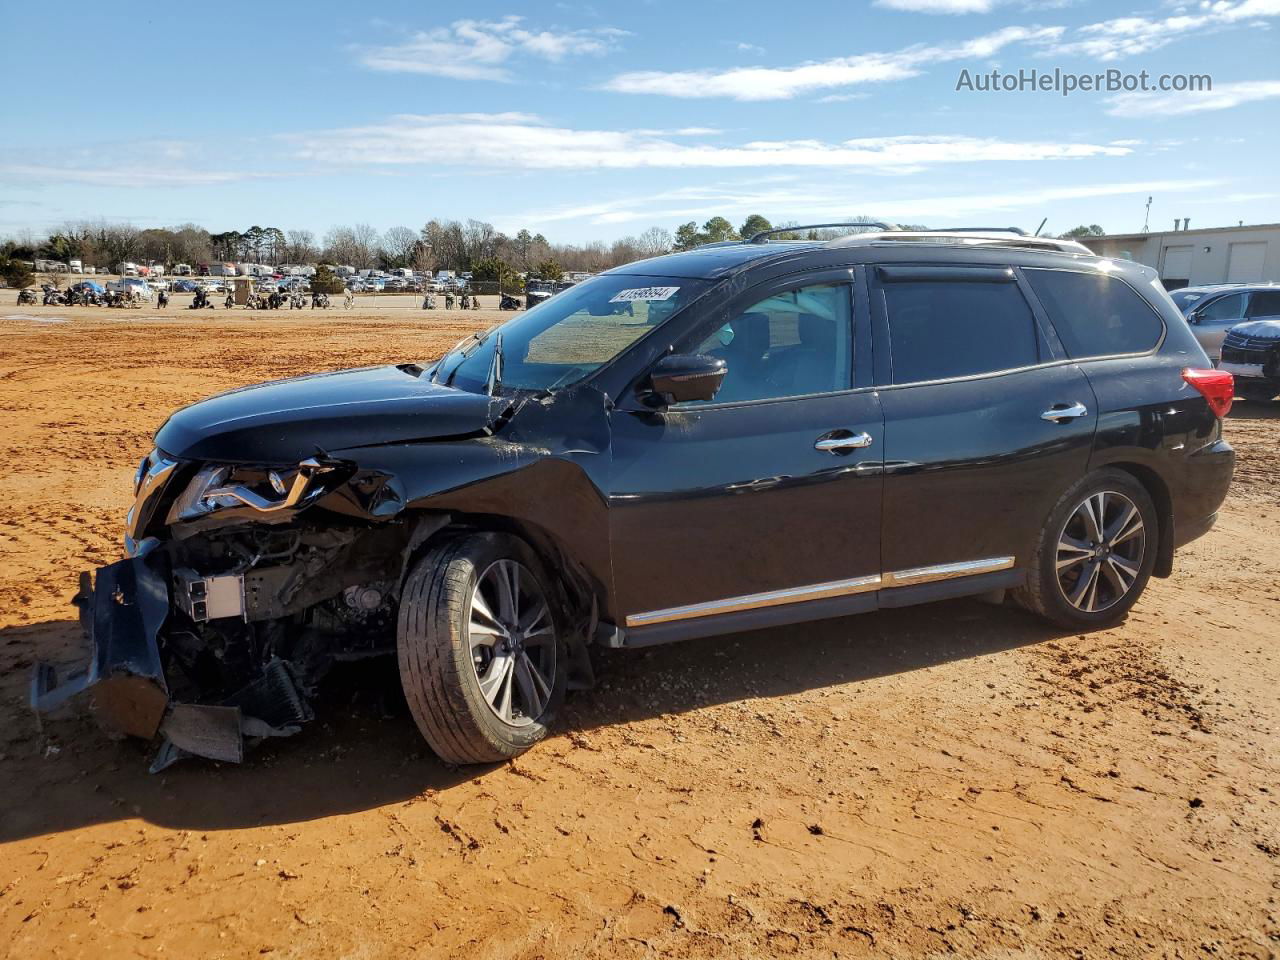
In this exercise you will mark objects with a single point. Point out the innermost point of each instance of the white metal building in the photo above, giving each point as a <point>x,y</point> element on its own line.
<point>1243,254</point>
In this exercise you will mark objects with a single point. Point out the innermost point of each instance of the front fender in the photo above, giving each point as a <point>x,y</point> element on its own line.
<point>546,467</point>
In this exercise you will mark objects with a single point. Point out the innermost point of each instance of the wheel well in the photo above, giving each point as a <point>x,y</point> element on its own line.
<point>1158,490</point>
<point>579,597</point>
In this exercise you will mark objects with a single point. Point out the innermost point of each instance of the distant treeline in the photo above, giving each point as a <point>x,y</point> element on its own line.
<point>439,245</point>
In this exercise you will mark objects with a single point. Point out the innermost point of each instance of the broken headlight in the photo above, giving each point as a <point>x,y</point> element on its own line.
<point>263,489</point>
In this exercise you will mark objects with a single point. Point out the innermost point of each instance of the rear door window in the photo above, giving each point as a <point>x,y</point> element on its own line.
<point>1223,309</point>
<point>1095,315</point>
<point>1264,304</point>
<point>956,328</point>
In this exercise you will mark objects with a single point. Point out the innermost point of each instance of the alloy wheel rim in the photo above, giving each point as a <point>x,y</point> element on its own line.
<point>1100,551</point>
<point>512,642</point>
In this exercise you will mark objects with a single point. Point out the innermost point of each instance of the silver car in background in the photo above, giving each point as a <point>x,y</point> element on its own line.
<point>1214,309</point>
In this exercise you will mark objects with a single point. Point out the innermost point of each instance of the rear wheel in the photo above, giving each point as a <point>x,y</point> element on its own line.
<point>480,648</point>
<point>1094,556</point>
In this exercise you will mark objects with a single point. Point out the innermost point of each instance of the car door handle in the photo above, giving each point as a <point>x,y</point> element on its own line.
<point>1062,412</point>
<point>843,441</point>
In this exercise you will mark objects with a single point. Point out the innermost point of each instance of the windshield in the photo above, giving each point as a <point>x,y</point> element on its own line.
<point>573,334</point>
<point>1185,298</point>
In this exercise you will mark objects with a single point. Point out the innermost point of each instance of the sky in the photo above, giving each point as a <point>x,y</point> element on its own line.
<point>592,121</point>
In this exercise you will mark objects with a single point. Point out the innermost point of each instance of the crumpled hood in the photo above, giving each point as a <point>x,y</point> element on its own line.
<point>284,421</point>
<point>1262,329</point>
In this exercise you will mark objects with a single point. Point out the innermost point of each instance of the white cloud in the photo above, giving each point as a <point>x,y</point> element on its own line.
<point>750,48</point>
<point>785,83</point>
<point>123,176</point>
<point>940,6</point>
<point>1169,104</point>
<point>842,97</point>
<point>479,49</point>
<point>786,203</point>
<point>1123,37</point>
<point>519,141</point>
<point>1105,41</point>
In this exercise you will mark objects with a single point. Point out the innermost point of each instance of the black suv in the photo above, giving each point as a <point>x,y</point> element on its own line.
<point>742,435</point>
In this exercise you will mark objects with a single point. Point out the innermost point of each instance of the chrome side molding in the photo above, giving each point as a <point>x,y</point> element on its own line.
<point>820,591</point>
<point>754,601</point>
<point>946,571</point>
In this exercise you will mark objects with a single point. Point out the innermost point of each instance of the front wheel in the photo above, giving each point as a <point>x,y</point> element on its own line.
<point>1094,556</point>
<point>480,647</point>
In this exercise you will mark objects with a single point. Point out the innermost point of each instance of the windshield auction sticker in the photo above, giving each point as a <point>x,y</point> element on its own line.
<point>643,293</point>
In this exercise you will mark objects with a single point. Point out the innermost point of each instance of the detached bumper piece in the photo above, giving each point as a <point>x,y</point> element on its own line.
<point>123,613</point>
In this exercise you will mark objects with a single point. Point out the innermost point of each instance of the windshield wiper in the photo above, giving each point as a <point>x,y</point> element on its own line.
<point>495,367</point>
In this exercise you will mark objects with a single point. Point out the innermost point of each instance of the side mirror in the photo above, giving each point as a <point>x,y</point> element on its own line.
<point>1195,316</point>
<point>680,378</point>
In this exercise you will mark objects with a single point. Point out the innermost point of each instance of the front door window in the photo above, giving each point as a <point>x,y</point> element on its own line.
<point>790,344</point>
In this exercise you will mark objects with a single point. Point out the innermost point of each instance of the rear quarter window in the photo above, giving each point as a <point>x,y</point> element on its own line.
<point>1095,315</point>
<point>1264,304</point>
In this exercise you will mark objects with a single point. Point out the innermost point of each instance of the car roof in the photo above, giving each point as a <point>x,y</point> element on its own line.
<point>715,261</point>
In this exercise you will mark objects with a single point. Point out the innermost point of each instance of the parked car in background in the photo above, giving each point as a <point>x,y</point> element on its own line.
<point>1251,349</point>
<point>738,436</point>
<point>185,286</point>
<point>536,292</point>
<point>1214,309</point>
<point>135,285</point>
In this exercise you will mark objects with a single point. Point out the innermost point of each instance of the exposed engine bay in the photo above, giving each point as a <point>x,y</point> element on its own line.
<point>254,617</point>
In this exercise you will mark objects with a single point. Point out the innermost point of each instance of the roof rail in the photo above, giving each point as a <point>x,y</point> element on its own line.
<point>1018,230</point>
<point>764,234</point>
<point>964,239</point>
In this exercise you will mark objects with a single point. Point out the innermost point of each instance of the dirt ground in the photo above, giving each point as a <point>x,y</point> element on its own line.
<point>950,779</point>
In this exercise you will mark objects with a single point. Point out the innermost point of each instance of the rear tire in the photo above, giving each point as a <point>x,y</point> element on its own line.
<point>480,646</point>
<point>1094,556</point>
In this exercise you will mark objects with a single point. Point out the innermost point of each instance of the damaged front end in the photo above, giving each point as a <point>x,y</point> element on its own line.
<point>216,630</point>
<point>256,561</point>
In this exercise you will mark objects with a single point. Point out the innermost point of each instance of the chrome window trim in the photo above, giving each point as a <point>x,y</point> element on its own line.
<point>820,591</point>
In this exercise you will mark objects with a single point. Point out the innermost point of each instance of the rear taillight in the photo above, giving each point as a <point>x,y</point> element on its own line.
<point>1217,387</point>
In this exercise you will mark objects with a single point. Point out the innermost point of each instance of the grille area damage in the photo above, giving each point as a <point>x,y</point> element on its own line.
<point>218,641</point>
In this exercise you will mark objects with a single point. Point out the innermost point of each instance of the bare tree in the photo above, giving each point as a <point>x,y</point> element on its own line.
<point>654,242</point>
<point>341,246</point>
<point>399,245</point>
<point>478,241</point>
<point>300,246</point>
<point>447,243</point>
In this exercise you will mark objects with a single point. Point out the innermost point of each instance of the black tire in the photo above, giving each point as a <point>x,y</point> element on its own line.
<point>439,667</point>
<point>1259,393</point>
<point>1049,595</point>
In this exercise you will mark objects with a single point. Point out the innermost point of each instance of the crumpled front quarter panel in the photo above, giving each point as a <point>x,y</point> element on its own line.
<point>546,467</point>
